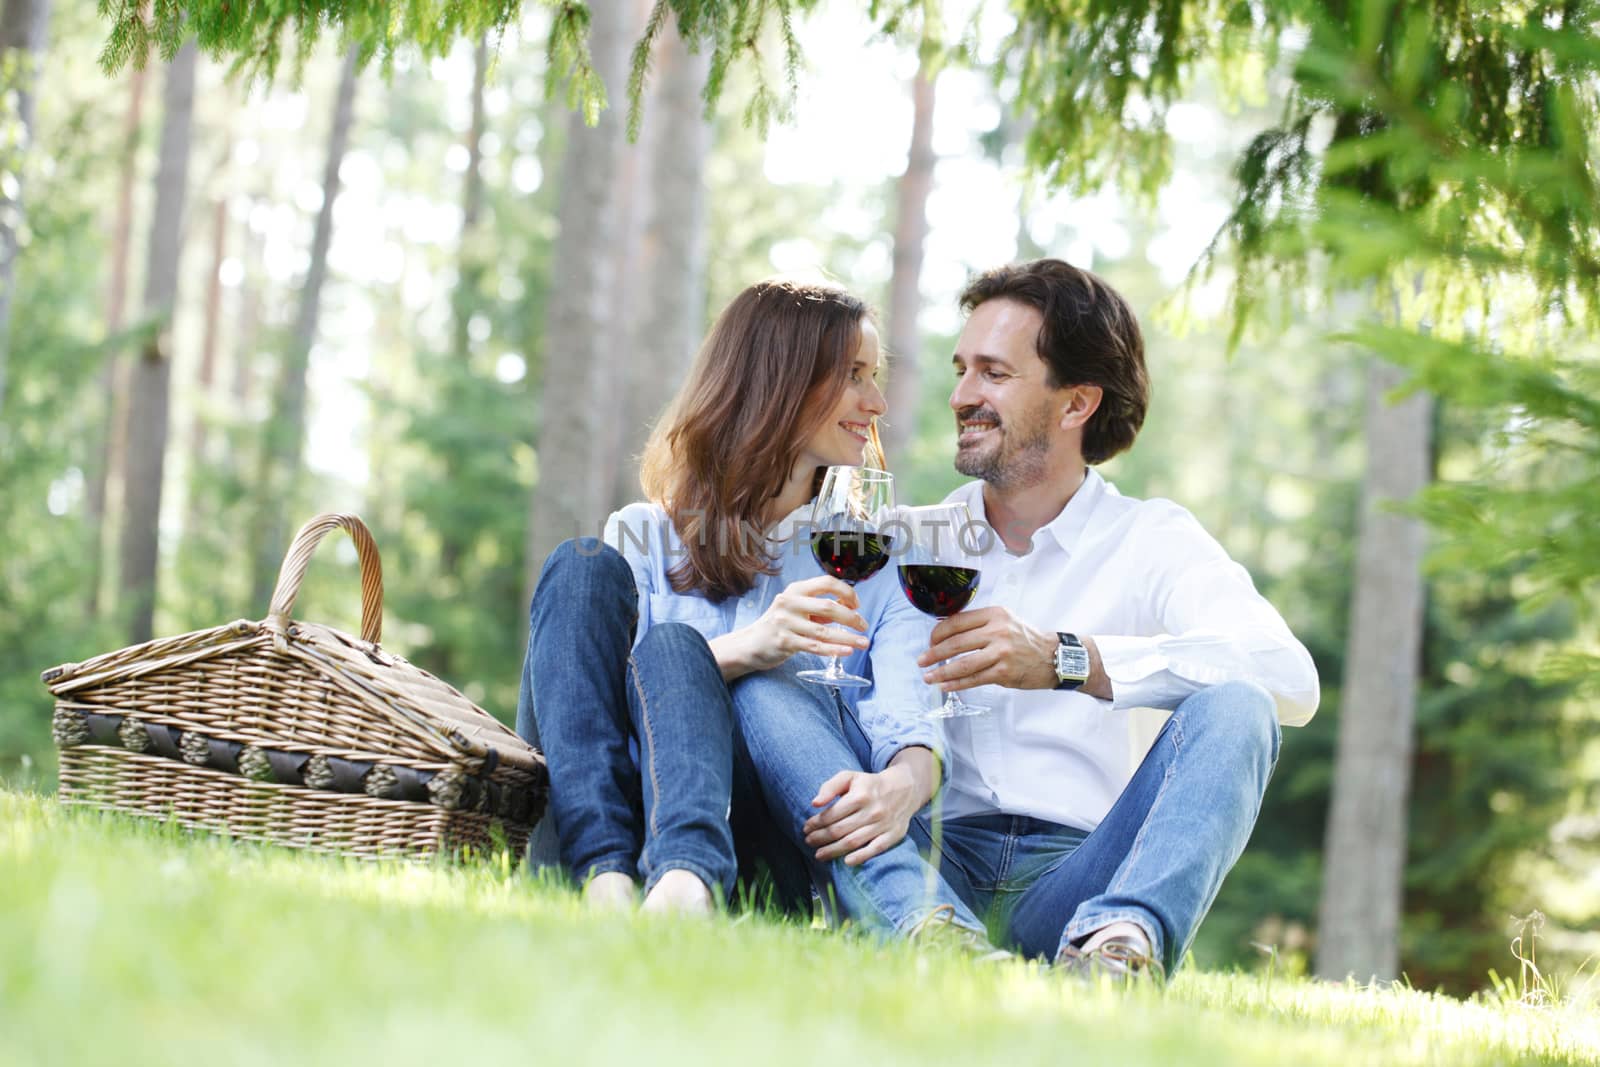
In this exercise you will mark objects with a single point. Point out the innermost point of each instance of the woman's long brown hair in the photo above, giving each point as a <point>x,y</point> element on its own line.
<point>774,365</point>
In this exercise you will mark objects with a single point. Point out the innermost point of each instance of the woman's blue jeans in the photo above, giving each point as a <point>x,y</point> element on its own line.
<point>646,772</point>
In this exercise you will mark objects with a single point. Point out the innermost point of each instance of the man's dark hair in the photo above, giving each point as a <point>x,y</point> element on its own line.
<point>1090,337</point>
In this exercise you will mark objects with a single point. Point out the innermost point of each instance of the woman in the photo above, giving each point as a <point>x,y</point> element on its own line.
<point>659,669</point>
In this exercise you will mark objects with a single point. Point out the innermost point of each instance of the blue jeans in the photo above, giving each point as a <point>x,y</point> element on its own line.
<point>644,768</point>
<point>799,735</point>
<point>1156,860</point>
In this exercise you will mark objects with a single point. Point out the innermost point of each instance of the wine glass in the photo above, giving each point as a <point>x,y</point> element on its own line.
<point>847,542</point>
<point>939,573</point>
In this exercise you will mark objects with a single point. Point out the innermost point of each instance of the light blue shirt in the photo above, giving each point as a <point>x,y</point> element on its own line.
<point>888,710</point>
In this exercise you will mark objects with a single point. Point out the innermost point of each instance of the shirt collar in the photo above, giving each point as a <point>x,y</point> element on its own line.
<point>784,529</point>
<point>1067,526</point>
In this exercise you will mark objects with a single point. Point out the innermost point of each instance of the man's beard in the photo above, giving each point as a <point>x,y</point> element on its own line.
<point>1018,460</point>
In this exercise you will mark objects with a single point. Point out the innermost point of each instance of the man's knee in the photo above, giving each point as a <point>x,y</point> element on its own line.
<point>1247,711</point>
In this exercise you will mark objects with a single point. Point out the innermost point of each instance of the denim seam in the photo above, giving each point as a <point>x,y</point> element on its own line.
<point>1008,852</point>
<point>650,744</point>
<point>1138,846</point>
<point>1144,828</point>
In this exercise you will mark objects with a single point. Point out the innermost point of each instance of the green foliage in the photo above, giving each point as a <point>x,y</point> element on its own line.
<point>1493,769</point>
<point>568,50</point>
<point>186,945</point>
<point>254,32</point>
<point>1490,776</point>
<point>1098,77</point>
<point>734,31</point>
<point>449,500</point>
<point>47,413</point>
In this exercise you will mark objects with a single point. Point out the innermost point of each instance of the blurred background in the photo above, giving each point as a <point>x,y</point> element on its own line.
<point>432,295</point>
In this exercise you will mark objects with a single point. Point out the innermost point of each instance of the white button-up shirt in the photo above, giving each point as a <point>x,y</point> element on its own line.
<point>1171,615</point>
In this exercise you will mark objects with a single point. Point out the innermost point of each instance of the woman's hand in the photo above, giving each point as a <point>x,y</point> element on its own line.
<point>868,814</point>
<point>800,619</point>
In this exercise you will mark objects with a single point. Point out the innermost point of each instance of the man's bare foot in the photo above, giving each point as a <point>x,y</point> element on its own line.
<point>679,892</point>
<point>610,891</point>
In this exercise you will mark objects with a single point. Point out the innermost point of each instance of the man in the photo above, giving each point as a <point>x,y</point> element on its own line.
<point>1085,842</point>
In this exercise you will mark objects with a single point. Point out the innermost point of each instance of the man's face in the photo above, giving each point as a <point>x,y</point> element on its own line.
<point>1007,417</point>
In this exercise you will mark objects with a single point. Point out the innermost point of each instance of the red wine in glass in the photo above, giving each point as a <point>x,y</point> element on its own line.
<point>847,517</point>
<point>851,555</point>
<point>939,575</point>
<point>938,591</point>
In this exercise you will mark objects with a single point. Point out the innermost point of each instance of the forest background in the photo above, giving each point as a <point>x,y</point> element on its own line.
<point>428,290</point>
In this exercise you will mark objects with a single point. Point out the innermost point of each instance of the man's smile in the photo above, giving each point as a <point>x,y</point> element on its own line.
<point>970,428</point>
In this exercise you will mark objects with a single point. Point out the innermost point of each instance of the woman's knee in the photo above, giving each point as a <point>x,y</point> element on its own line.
<point>780,687</point>
<point>677,644</point>
<point>672,665</point>
<point>585,565</point>
<point>777,711</point>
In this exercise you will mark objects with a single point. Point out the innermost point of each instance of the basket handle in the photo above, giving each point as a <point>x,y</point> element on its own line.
<point>299,557</point>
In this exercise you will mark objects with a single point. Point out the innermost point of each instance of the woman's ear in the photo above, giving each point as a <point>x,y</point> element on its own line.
<point>1082,402</point>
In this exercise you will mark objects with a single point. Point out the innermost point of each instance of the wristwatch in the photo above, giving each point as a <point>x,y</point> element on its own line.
<point>1072,662</point>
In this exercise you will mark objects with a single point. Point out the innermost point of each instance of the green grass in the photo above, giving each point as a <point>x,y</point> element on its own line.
<point>135,943</point>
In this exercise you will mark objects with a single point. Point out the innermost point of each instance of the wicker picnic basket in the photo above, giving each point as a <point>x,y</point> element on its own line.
<point>296,734</point>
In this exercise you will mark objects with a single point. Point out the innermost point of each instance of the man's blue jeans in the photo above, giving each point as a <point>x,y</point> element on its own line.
<point>799,735</point>
<point>639,741</point>
<point>1156,860</point>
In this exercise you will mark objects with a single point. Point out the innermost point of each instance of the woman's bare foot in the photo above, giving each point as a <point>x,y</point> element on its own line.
<point>610,891</point>
<point>679,892</point>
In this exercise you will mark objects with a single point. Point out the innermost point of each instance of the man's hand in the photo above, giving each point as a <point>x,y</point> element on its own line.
<point>867,814</point>
<point>1001,649</point>
<point>989,646</point>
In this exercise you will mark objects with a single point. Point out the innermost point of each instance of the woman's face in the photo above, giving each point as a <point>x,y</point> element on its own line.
<point>841,440</point>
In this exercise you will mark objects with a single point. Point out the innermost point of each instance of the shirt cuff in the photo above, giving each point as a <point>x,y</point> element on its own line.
<point>883,755</point>
<point>1139,673</point>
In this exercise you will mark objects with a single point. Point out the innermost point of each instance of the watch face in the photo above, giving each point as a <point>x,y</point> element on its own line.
<point>1072,662</point>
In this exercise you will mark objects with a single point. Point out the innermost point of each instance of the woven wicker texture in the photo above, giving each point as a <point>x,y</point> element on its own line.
<point>108,779</point>
<point>338,721</point>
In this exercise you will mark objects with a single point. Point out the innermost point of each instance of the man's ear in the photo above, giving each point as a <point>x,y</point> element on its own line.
<point>1082,402</point>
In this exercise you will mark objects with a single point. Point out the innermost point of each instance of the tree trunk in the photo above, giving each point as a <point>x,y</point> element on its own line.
<point>1364,861</point>
<point>113,429</point>
<point>247,328</point>
<point>22,34</point>
<point>207,376</point>
<point>470,270</point>
<point>905,294</point>
<point>149,384</point>
<point>669,299</point>
<point>633,197</point>
<point>286,432</point>
<point>469,278</point>
<point>568,497</point>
